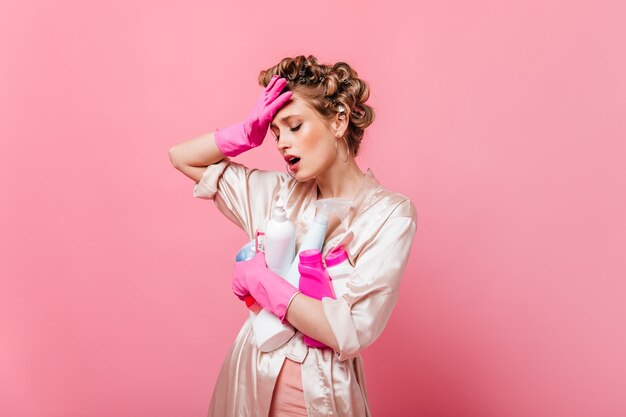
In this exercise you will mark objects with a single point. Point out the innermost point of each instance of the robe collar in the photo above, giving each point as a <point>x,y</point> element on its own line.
<point>366,190</point>
<point>360,203</point>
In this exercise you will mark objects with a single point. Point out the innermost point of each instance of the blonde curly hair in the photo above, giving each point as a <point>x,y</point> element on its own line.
<point>326,88</point>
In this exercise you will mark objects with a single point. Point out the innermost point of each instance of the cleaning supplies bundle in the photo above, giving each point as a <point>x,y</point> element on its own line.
<point>304,270</point>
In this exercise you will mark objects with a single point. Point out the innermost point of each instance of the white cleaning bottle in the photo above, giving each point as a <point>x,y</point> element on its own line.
<point>339,268</point>
<point>279,244</point>
<point>280,240</point>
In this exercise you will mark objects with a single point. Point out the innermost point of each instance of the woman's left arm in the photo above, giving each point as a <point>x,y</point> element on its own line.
<point>355,320</point>
<point>307,315</point>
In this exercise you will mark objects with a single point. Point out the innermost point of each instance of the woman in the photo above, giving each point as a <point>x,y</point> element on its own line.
<point>318,122</point>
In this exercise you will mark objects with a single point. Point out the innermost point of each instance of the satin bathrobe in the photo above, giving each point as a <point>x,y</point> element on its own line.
<point>383,225</point>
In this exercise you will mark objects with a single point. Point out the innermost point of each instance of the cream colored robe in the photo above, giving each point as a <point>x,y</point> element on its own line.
<point>383,223</point>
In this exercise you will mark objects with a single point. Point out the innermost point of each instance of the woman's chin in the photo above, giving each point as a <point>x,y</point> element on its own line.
<point>302,176</point>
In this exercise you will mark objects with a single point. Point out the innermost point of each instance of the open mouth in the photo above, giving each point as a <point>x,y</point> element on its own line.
<point>293,161</point>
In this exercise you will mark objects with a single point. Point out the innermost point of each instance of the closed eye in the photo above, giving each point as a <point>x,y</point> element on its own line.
<point>292,129</point>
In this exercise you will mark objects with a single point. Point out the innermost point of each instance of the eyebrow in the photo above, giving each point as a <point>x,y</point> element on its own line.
<point>285,118</point>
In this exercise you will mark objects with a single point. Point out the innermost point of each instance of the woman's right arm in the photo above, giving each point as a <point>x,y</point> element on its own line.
<point>193,156</point>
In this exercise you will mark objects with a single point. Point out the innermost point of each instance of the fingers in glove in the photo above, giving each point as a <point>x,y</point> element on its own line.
<point>276,89</point>
<point>239,291</point>
<point>279,102</point>
<point>238,283</point>
<point>271,83</point>
<point>259,258</point>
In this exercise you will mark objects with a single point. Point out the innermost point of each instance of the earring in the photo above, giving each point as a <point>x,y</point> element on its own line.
<point>347,148</point>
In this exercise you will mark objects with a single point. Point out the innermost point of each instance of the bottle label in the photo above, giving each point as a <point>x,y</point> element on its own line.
<point>259,241</point>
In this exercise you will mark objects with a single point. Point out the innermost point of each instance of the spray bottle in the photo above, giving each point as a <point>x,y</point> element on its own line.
<point>314,238</point>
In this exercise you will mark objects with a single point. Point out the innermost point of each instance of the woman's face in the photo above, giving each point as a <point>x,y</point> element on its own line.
<point>303,139</point>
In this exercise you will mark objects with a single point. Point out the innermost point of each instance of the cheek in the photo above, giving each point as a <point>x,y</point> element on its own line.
<point>315,143</point>
<point>318,148</point>
<point>308,142</point>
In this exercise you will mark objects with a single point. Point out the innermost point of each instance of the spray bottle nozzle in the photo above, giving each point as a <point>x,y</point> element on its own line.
<point>339,206</point>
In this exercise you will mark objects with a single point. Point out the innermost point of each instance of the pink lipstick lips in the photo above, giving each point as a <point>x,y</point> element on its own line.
<point>294,167</point>
<point>293,161</point>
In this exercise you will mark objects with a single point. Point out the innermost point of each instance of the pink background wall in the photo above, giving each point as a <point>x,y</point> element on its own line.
<point>503,121</point>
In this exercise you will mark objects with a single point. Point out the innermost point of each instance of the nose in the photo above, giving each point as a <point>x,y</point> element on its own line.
<point>283,143</point>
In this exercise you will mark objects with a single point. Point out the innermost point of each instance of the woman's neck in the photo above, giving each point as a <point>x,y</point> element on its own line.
<point>340,181</point>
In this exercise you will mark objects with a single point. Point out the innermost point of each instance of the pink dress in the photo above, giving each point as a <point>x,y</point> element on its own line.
<point>288,398</point>
<point>333,382</point>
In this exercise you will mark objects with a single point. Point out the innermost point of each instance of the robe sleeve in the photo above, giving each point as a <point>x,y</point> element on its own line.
<point>244,195</point>
<point>358,317</point>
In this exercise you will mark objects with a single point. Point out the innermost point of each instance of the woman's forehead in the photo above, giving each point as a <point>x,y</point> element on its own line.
<point>294,107</point>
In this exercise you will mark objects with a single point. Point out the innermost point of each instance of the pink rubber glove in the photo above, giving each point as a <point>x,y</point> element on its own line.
<point>270,290</point>
<point>250,133</point>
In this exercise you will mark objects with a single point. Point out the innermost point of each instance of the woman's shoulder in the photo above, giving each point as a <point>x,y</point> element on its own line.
<point>385,211</point>
<point>393,203</point>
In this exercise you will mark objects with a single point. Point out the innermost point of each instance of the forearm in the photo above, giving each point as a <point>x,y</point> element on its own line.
<point>197,152</point>
<point>307,315</point>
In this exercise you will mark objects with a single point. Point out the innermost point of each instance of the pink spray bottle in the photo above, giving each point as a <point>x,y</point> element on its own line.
<point>314,282</point>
